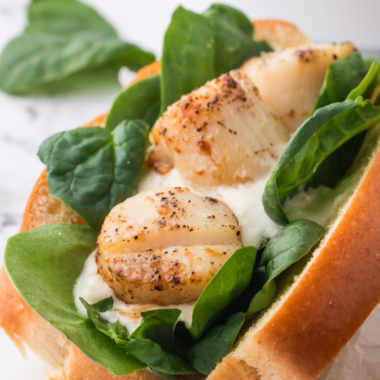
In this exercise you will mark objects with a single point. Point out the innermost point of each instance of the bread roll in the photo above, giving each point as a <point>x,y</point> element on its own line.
<point>300,334</point>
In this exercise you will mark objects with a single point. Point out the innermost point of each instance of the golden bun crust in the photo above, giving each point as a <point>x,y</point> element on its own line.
<point>147,71</point>
<point>79,367</point>
<point>233,369</point>
<point>23,325</point>
<point>42,209</point>
<point>83,368</point>
<point>306,329</point>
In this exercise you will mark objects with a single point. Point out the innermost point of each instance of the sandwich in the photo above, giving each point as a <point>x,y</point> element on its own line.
<point>220,222</point>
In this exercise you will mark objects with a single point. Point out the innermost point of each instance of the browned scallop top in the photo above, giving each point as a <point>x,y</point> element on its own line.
<point>221,133</point>
<point>164,246</point>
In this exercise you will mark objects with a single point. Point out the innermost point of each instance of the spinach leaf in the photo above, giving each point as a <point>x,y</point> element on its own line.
<point>92,169</point>
<point>325,131</point>
<point>153,341</point>
<point>258,280</point>
<point>286,247</point>
<point>234,41</point>
<point>227,285</point>
<point>139,101</point>
<point>160,361</point>
<point>158,326</point>
<point>187,56</point>
<point>299,159</point>
<point>368,84</point>
<point>102,306</point>
<point>216,343</point>
<point>341,77</point>
<point>367,63</point>
<point>335,167</point>
<point>116,331</point>
<point>263,298</point>
<point>290,244</point>
<point>43,265</point>
<point>198,48</point>
<point>63,37</point>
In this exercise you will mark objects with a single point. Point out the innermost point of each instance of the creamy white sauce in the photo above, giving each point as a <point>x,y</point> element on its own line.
<point>92,288</point>
<point>245,202</point>
<point>322,203</point>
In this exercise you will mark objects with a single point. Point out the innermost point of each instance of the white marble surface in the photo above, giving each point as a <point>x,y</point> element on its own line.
<point>26,121</point>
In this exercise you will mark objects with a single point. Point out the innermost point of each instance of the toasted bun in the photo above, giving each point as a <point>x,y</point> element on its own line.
<point>25,327</point>
<point>340,286</point>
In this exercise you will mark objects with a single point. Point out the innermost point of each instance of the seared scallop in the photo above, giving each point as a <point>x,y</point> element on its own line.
<point>165,246</point>
<point>290,80</point>
<point>221,133</point>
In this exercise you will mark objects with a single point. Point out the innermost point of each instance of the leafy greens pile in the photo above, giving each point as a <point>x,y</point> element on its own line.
<point>63,37</point>
<point>200,47</point>
<point>93,169</point>
<point>56,254</point>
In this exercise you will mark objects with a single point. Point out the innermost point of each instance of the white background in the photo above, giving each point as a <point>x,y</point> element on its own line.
<point>26,121</point>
